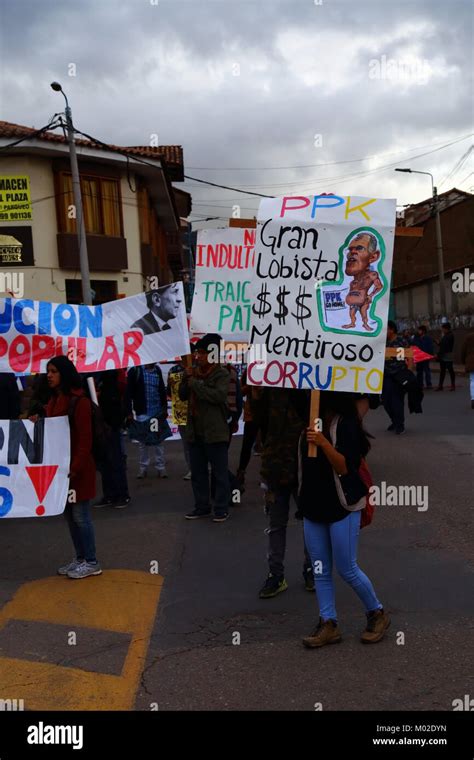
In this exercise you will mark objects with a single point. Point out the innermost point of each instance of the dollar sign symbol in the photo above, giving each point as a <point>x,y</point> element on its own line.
<point>302,311</point>
<point>281,314</point>
<point>263,307</point>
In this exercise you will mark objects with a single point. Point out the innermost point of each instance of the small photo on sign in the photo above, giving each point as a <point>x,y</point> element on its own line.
<point>16,247</point>
<point>351,305</point>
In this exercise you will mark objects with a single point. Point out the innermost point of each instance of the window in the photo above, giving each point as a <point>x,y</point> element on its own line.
<point>103,291</point>
<point>101,202</point>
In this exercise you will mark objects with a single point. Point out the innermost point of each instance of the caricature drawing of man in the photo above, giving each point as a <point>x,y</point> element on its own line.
<point>362,251</point>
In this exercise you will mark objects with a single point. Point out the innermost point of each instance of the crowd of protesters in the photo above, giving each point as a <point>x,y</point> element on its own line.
<point>207,399</point>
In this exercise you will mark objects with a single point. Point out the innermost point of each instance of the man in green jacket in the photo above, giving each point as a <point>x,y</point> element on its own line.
<point>205,387</point>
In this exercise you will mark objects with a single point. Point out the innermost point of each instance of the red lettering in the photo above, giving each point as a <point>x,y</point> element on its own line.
<point>110,354</point>
<point>131,343</point>
<point>42,348</point>
<point>249,237</point>
<point>3,347</point>
<point>289,369</point>
<point>80,356</point>
<point>199,258</point>
<point>59,347</point>
<point>249,374</point>
<point>267,372</point>
<point>19,360</point>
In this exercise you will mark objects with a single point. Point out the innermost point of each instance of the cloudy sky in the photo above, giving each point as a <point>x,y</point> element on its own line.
<point>272,96</point>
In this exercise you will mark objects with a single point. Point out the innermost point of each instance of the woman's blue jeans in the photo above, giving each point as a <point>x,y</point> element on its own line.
<point>81,528</point>
<point>337,542</point>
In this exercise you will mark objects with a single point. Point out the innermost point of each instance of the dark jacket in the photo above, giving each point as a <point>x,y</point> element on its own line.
<point>9,397</point>
<point>208,412</point>
<point>149,324</point>
<point>424,343</point>
<point>446,347</point>
<point>111,400</point>
<point>135,396</point>
<point>281,414</point>
<point>467,353</point>
<point>82,467</point>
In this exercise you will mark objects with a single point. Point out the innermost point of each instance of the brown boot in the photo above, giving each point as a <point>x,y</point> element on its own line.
<point>326,632</point>
<point>377,623</point>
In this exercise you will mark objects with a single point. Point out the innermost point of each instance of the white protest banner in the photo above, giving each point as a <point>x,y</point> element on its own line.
<point>224,267</point>
<point>34,467</point>
<point>141,329</point>
<point>320,292</point>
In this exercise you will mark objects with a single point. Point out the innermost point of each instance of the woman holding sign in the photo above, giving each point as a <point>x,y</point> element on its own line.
<point>68,398</point>
<point>332,496</point>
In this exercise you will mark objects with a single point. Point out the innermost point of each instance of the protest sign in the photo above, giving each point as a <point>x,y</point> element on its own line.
<point>141,329</point>
<point>34,467</point>
<point>15,198</point>
<point>320,292</point>
<point>224,266</point>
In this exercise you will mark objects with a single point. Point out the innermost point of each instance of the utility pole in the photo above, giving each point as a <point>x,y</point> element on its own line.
<point>439,253</point>
<point>439,243</point>
<point>76,188</point>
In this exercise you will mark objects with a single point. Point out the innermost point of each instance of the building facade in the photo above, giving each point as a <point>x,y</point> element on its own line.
<point>135,218</point>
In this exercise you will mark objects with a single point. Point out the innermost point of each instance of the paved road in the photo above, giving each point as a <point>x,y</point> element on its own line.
<point>197,637</point>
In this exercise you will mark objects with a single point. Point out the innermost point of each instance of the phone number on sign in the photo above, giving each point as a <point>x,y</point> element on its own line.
<point>16,215</point>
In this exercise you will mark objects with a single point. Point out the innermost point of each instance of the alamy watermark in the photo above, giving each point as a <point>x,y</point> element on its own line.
<point>235,352</point>
<point>416,70</point>
<point>12,283</point>
<point>399,496</point>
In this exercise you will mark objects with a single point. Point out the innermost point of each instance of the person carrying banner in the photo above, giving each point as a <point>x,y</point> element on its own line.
<point>179,410</point>
<point>10,404</point>
<point>393,394</point>
<point>65,384</point>
<point>425,343</point>
<point>467,356</point>
<point>206,388</point>
<point>332,530</point>
<point>250,430</point>
<point>282,415</point>
<point>113,468</point>
<point>146,397</point>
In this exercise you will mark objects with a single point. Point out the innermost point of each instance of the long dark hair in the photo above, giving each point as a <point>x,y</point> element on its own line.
<point>345,405</point>
<point>70,377</point>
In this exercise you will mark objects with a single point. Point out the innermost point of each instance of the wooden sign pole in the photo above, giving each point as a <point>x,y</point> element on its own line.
<point>313,416</point>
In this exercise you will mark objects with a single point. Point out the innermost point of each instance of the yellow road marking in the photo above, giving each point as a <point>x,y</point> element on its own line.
<point>119,600</point>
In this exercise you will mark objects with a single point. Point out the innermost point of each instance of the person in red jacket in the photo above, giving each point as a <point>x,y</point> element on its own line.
<point>68,398</point>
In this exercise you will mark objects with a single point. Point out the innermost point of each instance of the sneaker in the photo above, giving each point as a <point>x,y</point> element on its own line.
<point>438,389</point>
<point>274,585</point>
<point>308,579</point>
<point>104,503</point>
<point>196,514</point>
<point>64,569</point>
<point>84,570</point>
<point>141,474</point>
<point>377,623</point>
<point>162,474</point>
<point>452,388</point>
<point>326,632</point>
<point>122,503</point>
<point>400,430</point>
<point>222,517</point>
<point>187,476</point>
<point>391,427</point>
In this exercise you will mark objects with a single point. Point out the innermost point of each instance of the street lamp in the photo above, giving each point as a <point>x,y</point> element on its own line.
<point>76,187</point>
<point>439,244</point>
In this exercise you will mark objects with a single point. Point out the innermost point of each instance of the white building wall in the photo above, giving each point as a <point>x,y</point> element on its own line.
<point>45,281</point>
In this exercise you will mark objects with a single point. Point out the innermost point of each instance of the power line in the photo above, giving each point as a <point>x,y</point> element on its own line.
<point>313,166</point>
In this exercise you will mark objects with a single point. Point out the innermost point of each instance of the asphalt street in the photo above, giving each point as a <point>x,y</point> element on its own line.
<point>195,635</point>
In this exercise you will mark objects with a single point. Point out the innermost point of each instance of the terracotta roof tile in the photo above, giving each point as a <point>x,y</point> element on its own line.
<point>171,154</point>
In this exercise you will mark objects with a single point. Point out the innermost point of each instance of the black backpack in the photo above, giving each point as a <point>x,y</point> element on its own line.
<point>101,431</point>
